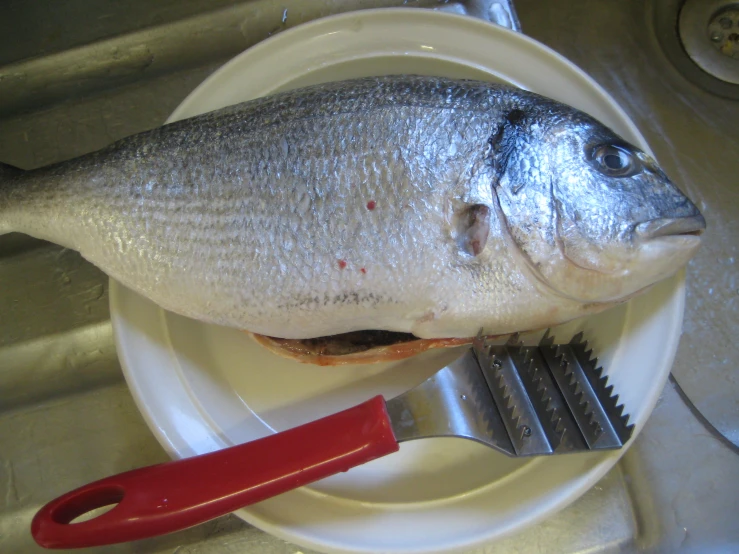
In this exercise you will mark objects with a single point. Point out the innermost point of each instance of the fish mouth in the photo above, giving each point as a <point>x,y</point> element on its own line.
<point>671,226</point>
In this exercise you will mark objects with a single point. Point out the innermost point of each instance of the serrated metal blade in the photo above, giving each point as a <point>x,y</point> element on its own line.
<point>581,398</point>
<point>560,427</point>
<point>520,400</point>
<point>604,391</point>
<point>525,430</point>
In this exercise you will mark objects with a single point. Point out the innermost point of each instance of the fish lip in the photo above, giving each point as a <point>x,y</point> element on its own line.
<point>670,226</point>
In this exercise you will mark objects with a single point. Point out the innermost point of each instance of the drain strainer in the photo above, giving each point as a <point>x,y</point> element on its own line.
<point>709,31</point>
<point>723,31</point>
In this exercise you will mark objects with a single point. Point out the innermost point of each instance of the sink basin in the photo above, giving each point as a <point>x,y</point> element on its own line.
<point>75,79</point>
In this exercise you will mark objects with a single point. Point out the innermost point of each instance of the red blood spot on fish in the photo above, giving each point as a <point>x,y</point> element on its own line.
<point>371,205</point>
<point>363,270</point>
<point>342,264</point>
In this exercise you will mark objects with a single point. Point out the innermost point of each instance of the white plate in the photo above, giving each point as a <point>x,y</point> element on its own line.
<point>203,387</point>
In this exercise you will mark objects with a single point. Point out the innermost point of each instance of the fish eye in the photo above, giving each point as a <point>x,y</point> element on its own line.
<point>614,161</point>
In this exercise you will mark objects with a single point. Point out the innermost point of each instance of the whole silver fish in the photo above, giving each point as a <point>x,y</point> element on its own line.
<point>413,204</point>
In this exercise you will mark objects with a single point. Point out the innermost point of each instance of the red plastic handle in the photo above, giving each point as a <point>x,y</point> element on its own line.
<point>175,495</point>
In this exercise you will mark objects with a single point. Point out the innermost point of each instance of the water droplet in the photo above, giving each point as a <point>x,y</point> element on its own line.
<point>463,396</point>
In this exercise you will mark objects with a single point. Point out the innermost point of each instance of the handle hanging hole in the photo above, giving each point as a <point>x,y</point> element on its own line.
<point>92,514</point>
<point>87,505</point>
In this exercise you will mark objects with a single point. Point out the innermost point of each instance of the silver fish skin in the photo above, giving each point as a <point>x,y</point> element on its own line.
<point>404,203</point>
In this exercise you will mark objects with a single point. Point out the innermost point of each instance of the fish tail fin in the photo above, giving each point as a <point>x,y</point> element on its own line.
<point>7,172</point>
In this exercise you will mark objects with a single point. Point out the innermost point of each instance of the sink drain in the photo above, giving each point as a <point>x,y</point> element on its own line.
<point>698,37</point>
<point>709,32</point>
<point>723,31</point>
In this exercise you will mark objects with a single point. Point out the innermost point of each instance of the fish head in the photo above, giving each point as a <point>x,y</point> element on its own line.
<point>595,217</point>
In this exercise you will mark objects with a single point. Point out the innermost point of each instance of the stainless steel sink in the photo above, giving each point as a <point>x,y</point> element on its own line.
<point>75,76</point>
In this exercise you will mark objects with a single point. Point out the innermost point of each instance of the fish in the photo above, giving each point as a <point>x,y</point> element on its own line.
<point>425,208</point>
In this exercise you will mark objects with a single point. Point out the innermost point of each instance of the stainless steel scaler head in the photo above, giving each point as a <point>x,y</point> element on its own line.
<point>520,400</point>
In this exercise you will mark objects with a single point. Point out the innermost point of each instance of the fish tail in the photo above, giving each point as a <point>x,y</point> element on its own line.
<point>7,172</point>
